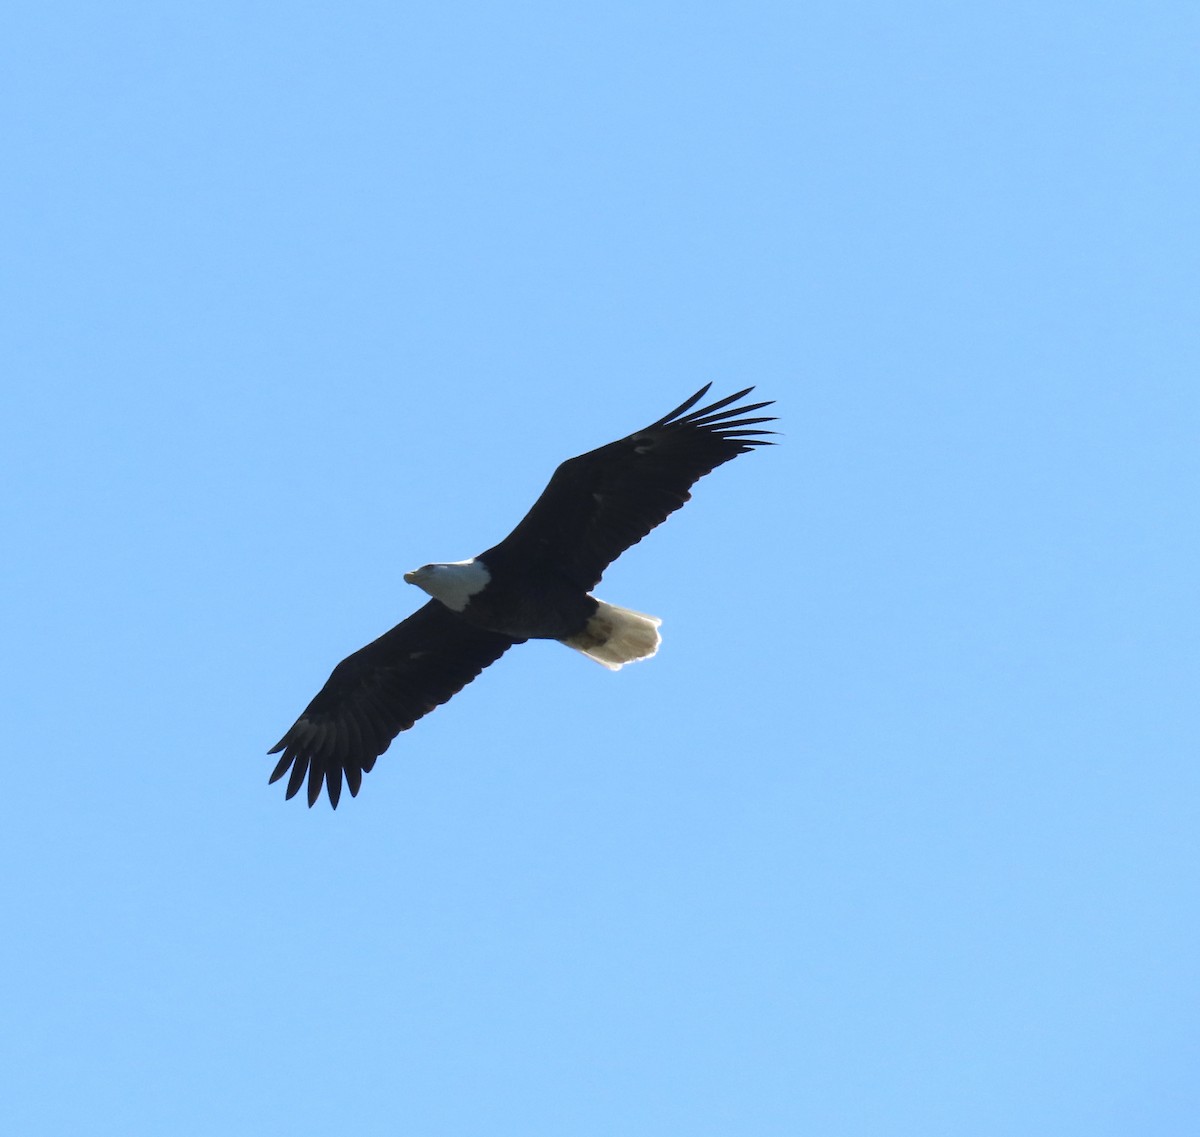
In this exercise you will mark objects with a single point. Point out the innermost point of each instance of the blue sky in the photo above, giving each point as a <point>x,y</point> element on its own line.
<point>898,834</point>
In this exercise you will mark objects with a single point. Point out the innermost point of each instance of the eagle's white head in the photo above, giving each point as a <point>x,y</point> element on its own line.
<point>453,584</point>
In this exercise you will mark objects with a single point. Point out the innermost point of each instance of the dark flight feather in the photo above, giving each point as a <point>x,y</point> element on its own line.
<point>379,691</point>
<point>599,504</point>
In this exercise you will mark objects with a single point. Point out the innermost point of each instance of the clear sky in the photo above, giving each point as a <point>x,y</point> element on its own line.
<point>900,832</point>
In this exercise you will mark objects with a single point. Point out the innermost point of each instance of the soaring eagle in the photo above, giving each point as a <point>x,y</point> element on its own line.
<point>535,584</point>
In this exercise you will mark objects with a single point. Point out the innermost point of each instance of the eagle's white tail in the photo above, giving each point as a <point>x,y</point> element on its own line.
<point>616,636</point>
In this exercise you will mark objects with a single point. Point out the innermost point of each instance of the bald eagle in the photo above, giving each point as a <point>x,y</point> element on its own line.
<point>535,584</point>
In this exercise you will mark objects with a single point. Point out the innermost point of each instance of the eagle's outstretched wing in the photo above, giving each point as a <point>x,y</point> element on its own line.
<point>600,503</point>
<point>379,691</point>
